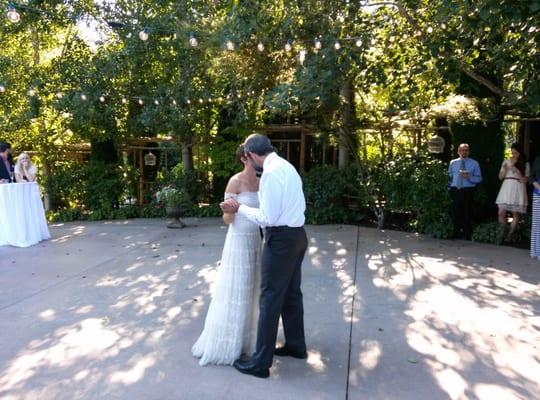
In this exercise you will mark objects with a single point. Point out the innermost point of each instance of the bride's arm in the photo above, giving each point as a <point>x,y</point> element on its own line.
<point>232,190</point>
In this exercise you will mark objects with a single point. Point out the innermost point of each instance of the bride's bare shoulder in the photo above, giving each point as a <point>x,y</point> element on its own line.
<point>234,185</point>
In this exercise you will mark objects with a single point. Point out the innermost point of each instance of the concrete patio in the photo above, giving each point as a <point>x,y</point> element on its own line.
<point>110,310</point>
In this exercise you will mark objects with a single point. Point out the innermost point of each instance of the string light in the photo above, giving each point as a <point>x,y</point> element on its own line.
<point>288,46</point>
<point>318,44</point>
<point>193,42</point>
<point>188,102</point>
<point>59,95</point>
<point>302,56</point>
<point>140,101</point>
<point>124,100</point>
<point>337,45</point>
<point>143,35</point>
<point>173,102</point>
<point>156,102</point>
<point>2,88</point>
<point>31,93</point>
<point>83,97</point>
<point>358,43</point>
<point>260,47</point>
<point>102,98</point>
<point>12,15</point>
<point>229,45</point>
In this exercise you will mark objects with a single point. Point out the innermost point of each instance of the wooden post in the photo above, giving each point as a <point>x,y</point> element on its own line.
<point>141,177</point>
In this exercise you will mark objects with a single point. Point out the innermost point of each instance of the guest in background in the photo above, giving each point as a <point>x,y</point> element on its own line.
<point>512,195</point>
<point>464,175</point>
<point>6,165</point>
<point>25,170</point>
<point>534,179</point>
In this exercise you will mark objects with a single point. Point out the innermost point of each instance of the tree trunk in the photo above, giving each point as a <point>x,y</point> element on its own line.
<point>187,155</point>
<point>42,145</point>
<point>347,142</point>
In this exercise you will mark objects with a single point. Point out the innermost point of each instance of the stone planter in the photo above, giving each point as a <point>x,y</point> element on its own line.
<point>174,212</point>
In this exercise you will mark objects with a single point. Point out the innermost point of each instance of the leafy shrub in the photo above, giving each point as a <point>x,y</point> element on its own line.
<point>66,184</point>
<point>103,186</point>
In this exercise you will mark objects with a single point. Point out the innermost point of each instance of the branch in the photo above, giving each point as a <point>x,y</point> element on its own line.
<point>461,65</point>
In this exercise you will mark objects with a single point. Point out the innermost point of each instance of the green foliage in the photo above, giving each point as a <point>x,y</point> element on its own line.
<point>66,184</point>
<point>103,186</point>
<point>173,196</point>
<point>124,212</point>
<point>490,232</point>
<point>189,181</point>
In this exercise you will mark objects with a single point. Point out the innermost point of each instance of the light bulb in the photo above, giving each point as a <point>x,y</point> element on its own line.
<point>2,89</point>
<point>31,92</point>
<point>141,102</point>
<point>337,45</point>
<point>358,43</point>
<point>59,95</point>
<point>83,97</point>
<point>288,46</point>
<point>193,41</point>
<point>156,102</point>
<point>102,99</point>
<point>13,16</point>
<point>201,101</point>
<point>318,44</point>
<point>188,102</point>
<point>229,45</point>
<point>302,56</point>
<point>124,100</point>
<point>173,102</point>
<point>260,46</point>
<point>430,30</point>
<point>143,35</point>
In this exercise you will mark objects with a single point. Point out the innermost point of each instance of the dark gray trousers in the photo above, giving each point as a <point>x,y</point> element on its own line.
<point>281,276</point>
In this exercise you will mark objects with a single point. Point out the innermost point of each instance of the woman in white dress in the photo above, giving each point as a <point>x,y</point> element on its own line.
<point>512,195</point>
<point>230,325</point>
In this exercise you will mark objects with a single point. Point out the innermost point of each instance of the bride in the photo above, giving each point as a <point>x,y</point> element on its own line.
<point>230,325</point>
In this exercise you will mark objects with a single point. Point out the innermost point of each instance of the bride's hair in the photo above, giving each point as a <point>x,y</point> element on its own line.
<point>240,154</point>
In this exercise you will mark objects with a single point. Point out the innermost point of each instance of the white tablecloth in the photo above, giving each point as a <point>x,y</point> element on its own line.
<point>22,218</point>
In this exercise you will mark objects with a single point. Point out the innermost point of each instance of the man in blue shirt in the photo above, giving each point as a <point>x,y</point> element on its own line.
<point>464,175</point>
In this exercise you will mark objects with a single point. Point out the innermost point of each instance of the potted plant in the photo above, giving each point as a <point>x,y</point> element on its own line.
<point>176,201</point>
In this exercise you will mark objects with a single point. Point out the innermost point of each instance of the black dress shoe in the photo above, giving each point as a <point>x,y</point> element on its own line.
<point>285,351</point>
<point>249,368</point>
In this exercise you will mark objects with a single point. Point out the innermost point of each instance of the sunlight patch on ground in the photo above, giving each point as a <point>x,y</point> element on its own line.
<point>139,366</point>
<point>315,361</point>
<point>87,339</point>
<point>486,391</point>
<point>47,315</point>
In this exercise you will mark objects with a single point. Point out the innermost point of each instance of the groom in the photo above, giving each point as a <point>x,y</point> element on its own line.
<point>281,212</point>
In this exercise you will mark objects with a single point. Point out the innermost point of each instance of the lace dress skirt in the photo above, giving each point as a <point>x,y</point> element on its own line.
<point>513,196</point>
<point>230,325</point>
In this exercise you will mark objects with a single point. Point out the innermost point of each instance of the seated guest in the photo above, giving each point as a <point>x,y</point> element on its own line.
<point>25,171</point>
<point>6,166</point>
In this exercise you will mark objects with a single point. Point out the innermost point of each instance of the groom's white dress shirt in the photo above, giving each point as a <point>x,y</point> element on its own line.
<point>281,199</point>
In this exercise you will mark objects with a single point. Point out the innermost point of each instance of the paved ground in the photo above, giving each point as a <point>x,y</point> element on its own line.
<point>109,310</point>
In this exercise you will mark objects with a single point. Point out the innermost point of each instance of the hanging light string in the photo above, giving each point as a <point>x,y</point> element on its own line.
<point>144,33</point>
<point>156,101</point>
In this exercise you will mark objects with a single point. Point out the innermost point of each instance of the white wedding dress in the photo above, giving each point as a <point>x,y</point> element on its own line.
<point>230,325</point>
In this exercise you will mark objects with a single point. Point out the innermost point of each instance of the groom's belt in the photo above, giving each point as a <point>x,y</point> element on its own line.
<point>281,228</point>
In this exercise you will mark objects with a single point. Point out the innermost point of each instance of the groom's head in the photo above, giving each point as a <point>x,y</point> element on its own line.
<point>256,148</point>
<point>258,144</point>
